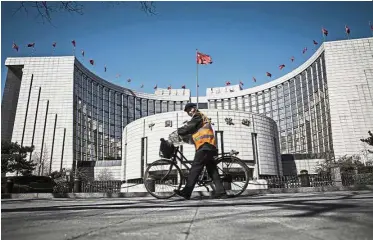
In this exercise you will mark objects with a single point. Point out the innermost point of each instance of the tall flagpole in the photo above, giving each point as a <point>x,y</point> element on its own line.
<point>197,76</point>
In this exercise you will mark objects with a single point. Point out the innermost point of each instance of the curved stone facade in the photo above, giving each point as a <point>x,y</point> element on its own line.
<point>297,102</point>
<point>253,135</point>
<point>103,109</point>
<point>321,108</point>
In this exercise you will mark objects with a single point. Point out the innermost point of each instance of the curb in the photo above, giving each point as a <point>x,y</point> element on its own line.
<point>146,194</point>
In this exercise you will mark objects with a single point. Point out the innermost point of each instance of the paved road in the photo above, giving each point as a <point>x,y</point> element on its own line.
<point>336,215</point>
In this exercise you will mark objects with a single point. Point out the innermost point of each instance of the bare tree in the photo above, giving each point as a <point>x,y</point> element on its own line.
<point>104,175</point>
<point>45,10</point>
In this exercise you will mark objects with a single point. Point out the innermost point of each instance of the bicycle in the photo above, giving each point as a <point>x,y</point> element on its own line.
<point>174,176</point>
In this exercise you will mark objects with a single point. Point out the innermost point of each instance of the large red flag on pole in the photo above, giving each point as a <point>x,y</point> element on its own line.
<point>202,59</point>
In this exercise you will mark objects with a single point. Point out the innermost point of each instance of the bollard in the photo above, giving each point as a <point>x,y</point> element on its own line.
<point>150,184</point>
<point>304,179</point>
<point>77,185</point>
<point>9,186</point>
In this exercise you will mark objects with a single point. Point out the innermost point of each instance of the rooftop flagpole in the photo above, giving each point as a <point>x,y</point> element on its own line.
<point>197,76</point>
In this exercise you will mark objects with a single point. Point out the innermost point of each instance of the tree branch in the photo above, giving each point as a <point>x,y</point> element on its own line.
<point>148,7</point>
<point>45,9</point>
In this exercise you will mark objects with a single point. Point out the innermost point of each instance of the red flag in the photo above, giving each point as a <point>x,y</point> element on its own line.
<point>31,45</point>
<point>92,62</point>
<point>73,42</point>
<point>269,75</point>
<point>203,58</point>
<point>155,87</point>
<point>304,50</point>
<point>282,66</point>
<point>14,46</point>
<point>315,43</point>
<point>169,87</point>
<point>254,79</point>
<point>241,83</point>
<point>105,68</point>
<point>292,59</point>
<point>54,44</point>
<point>83,53</point>
<point>324,31</point>
<point>227,83</point>
<point>129,80</point>
<point>183,87</point>
<point>347,29</point>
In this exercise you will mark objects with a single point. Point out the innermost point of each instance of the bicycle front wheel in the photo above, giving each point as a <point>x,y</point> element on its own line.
<point>234,173</point>
<point>161,178</point>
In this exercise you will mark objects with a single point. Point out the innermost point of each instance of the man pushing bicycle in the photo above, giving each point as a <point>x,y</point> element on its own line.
<point>200,129</point>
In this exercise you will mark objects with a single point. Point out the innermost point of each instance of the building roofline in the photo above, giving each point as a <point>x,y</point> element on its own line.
<point>247,91</point>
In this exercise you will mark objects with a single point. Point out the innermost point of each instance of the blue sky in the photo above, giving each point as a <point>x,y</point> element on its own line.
<point>244,39</point>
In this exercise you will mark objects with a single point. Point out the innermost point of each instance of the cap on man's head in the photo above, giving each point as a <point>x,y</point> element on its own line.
<point>189,106</point>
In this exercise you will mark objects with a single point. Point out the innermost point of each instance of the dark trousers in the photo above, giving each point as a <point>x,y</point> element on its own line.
<point>201,159</point>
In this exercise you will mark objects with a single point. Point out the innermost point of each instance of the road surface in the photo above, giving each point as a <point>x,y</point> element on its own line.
<point>306,216</point>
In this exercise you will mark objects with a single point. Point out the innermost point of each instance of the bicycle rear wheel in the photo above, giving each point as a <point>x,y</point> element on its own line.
<point>161,178</point>
<point>234,173</point>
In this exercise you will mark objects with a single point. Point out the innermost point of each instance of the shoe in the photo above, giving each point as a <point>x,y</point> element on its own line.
<point>220,196</point>
<point>182,194</point>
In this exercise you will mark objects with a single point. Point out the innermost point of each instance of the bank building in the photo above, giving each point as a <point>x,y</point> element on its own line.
<point>73,117</point>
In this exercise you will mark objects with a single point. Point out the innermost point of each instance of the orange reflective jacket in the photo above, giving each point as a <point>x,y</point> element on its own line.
<point>205,134</point>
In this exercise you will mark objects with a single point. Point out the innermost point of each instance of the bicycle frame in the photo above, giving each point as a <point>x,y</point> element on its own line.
<point>203,178</point>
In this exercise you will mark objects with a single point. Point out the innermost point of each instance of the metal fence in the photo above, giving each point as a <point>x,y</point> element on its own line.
<point>111,186</point>
<point>349,179</point>
<point>318,180</point>
<point>296,181</point>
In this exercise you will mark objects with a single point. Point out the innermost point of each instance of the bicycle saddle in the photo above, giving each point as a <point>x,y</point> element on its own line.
<point>234,152</point>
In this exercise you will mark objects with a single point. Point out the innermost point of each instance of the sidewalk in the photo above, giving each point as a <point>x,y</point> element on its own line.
<point>145,194</point>
<point>290,216</point>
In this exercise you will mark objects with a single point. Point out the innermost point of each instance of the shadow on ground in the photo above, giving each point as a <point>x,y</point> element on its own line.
<point>307,207</point>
